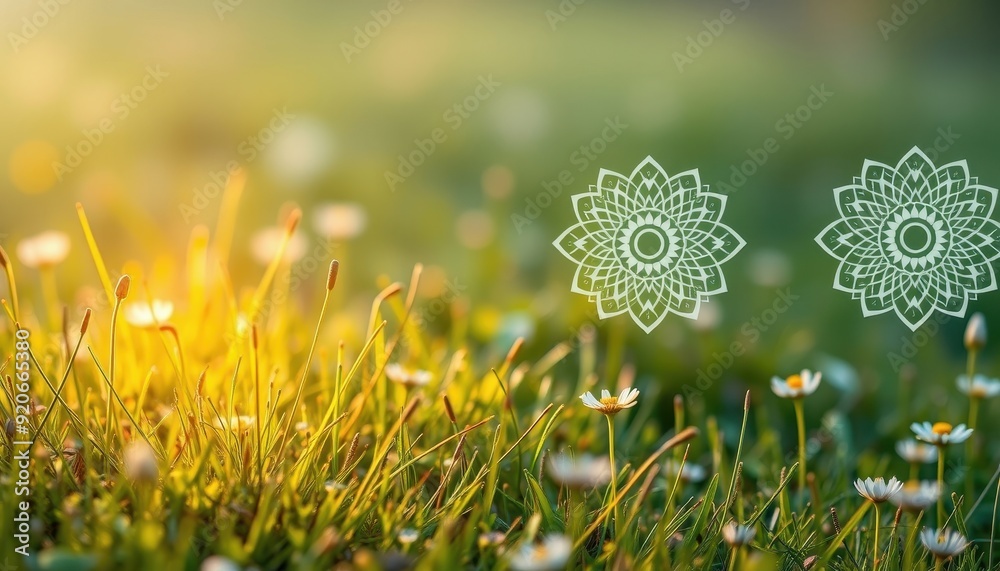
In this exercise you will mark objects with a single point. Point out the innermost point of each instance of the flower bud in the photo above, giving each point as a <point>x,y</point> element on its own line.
<point>975,332</point>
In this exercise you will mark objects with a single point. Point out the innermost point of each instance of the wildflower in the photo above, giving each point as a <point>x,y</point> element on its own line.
<point>690,473</point>
<point>878,490</point>
<point>340,221</point>
<point>943,543</point>
<point>582,472</point>
<point>145,315</point>
<point>407,377</point>
<point>738,535</point>
<point>796,386</point>
<point>981,387</point>
<point>611,405</point>
<point>408,535</point>
<point>43,250</point>
<point>552,554</point>
<point>975,332</point>
<point>491,538</point>
<point>240,423</point>
<point>265,243</point>
<point>917,496</point>
<point>940,433</point>
<point>914,451</point>
<point>140,462</point>
<point>219,563</point>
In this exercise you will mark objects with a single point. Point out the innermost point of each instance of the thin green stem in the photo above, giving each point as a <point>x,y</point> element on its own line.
<point>614,473</point>
<point>940,480</point>
<point>108,419</point>
<point>938,564</point>
<point>878,521</point>
<point>801,422</point>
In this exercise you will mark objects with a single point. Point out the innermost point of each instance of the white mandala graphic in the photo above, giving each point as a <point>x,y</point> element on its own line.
<point>914,238</point>
<point>649,244</point>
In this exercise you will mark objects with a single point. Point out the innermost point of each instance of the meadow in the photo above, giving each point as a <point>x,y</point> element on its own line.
<point>229,428</point>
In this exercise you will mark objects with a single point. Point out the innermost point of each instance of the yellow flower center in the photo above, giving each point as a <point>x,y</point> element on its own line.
<point>794,382</point>
<point>941,428</point>
<point>609,401</point>
<point>912,486</point>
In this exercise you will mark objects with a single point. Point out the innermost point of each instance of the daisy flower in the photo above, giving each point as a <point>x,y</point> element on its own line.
<point>219,563</point>
<point>878,490</point>
<point>265,243</point>
<point>44,250</point>
<point>738,535</point>
<point>582,472</point>
<point>916,452</point>
<point>943,543</point>
<point>796,386</point>
<point>611,405</point>
<point>940,433</point>
<point>917,496</point>
<point>340,221</point>
<point>408,535</point>
<point>981,387</point>
<point>407,377</point>
<point>141,315</point>
<point>552,554</point>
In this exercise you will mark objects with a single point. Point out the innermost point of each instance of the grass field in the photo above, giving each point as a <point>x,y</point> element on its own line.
<point>248,425</point>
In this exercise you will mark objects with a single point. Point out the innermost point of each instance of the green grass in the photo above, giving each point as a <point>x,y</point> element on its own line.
<point>332,460</point>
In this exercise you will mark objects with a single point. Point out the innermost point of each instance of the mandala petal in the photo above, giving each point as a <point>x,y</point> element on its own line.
<point>912,303</point>
<point>593,207</point>
<point>918,175</point>
<point>711,244</point>
<point>651,184</point>
<point>843,236</point>
<point>860,203</point>
<point>583,240</point>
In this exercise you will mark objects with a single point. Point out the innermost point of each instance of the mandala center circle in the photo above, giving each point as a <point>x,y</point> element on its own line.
<point>649,243</point>
<point>915,237</point>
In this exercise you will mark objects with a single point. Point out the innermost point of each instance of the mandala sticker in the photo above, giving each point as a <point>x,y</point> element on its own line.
<point>914,238</point>
<point>649,244</point>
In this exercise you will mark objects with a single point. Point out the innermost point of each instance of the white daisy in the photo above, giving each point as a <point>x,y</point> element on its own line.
<point>738,535</point>
<point>340,220</point>
<point>981,386</point>
<point>611,404</point>
<point>917,496</point>
<point>943,543</point>
<point>796,386</point>
<point>219,563</point>
<point>582,472</point>
<point>44,250</point>
<point>241,423</point>
<point>141,315</point>
<point>916,452</point>
<point>552,554</point>
<point>941,433</point>
<point>407,377</point>
<point>878,490</point>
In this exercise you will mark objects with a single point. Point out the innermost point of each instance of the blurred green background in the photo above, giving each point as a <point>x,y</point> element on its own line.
<point>366,80</point>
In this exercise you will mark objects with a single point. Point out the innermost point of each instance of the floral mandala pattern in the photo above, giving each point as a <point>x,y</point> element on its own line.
<point>649,244</point>
<point>914,238</point>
